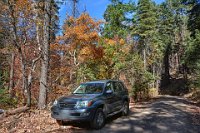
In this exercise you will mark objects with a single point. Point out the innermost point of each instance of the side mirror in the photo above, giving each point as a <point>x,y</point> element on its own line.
<point>109,92</point>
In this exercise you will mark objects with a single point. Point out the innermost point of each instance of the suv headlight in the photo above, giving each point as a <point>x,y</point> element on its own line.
<point>83,104</point>
<point>55,102</point>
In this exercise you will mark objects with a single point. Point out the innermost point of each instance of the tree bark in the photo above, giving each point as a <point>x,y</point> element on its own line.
<point>45,58</point>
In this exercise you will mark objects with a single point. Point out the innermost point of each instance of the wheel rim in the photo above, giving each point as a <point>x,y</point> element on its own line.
<point>100,119</point>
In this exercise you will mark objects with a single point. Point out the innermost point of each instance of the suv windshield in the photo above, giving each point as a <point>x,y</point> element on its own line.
<point>90,88</point>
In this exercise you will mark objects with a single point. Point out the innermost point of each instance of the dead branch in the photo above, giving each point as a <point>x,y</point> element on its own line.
<point>13,112</point>
<point>17,110</point>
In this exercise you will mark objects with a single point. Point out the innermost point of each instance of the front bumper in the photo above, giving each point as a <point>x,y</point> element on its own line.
<point>72,114</point>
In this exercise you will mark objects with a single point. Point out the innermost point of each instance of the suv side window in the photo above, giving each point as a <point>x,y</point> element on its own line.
<point>117,87</point>
<point>109,86</point>
<point>121,86</point>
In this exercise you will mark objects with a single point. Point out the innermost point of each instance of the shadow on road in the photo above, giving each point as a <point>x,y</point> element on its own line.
<point>166,114</point>
<point>86,127</point>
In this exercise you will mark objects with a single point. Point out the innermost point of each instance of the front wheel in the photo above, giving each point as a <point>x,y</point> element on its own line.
<point>125,109</point>
<point>62,123</point>
<point>99,119</point>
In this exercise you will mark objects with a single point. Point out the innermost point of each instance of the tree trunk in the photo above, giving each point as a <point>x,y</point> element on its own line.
<point>24,79</point>
<point>74,8</point>
<point>13,112</point>
<point>15,42</point>
<point>158,74</point>
<point>11,84</point>
<point>38,22</point>
<point>154,75</point>
<point>144,58</point>
<point>45,58</point>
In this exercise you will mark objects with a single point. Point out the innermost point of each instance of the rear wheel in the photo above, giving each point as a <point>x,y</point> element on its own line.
<point>99,119</point>
<point>125,110</point>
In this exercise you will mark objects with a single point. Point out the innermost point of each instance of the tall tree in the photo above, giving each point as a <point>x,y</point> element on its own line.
<point>19,16</point>
<point>6,56</point>
<point>45,56</point>
<point>173,31</point>
<point>145,26</point>
<point>166,32</point>
<point>79,42</point>
<point>117,19</point>
<point>194,16</point>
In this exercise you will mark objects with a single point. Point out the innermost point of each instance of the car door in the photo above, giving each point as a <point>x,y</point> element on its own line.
<point>118,92</point>
<point>110,98</point>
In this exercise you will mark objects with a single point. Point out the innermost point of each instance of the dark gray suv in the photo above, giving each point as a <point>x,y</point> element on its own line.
<point>93,102</point>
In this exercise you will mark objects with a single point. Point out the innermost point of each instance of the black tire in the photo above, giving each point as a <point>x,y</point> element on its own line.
<point>60,122</point>
<point>63,123</point>
<point>125,109</point>
<point>99,119</point>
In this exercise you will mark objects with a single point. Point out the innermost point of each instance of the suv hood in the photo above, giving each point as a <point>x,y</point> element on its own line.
<point>73,98</point>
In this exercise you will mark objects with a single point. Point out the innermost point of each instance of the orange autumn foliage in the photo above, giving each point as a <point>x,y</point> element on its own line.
<point>77,45</point>
<point>80,34</point>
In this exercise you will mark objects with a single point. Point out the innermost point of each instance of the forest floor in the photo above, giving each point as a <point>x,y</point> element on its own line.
<point>164,114</point>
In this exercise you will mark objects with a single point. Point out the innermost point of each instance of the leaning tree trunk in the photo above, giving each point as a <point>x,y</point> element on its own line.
<point>29,80</point>
<point>45,58</point>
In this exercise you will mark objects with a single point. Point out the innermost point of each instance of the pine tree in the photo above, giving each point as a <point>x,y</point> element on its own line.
<point>194,17</point>
<point>145,21</point>
<point>166,32</point>
<point>117,23</point>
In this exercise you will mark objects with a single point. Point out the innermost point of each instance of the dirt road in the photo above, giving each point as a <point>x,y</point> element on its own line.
<point>165,114</point>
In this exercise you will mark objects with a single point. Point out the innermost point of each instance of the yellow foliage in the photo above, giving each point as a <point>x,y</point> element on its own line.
<point>86,51</point>
<point>122,42</point>
<point>111,42</point>
<point>115,41</point>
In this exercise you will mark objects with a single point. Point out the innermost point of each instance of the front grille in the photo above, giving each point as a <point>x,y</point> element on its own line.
<point>75,114</point>
<point>67,105</point>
